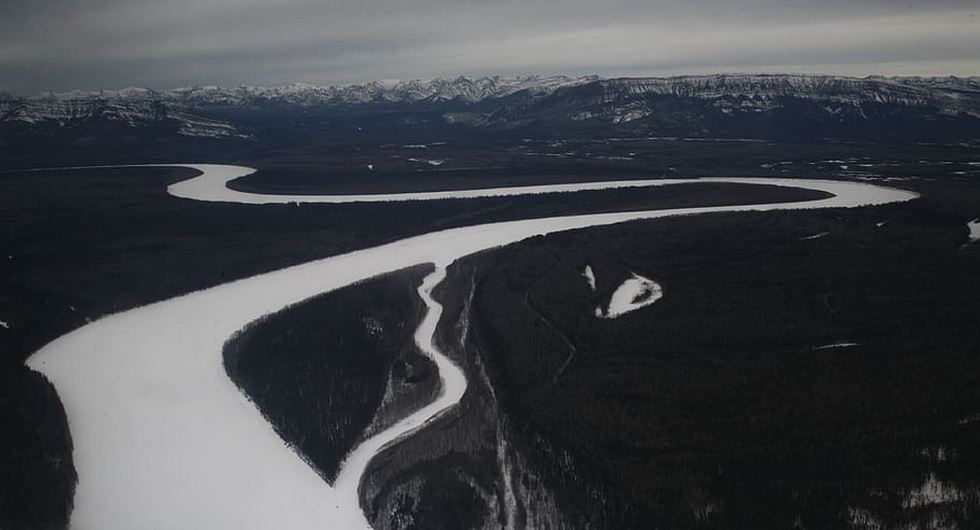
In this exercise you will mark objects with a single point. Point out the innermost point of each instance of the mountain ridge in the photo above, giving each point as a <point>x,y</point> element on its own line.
<point>690,104</point>
<point>484,87</point>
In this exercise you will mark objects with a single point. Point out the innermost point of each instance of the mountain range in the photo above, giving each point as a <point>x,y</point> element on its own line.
<point>723,105</point>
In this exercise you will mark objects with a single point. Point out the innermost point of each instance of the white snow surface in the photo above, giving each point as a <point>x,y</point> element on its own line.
<point>932,491</point>
<point>839,344</point>
<point>974,227</point>
<point>815,236</point>
<point>635,292</point>
<point>164,440</point>
<point>589,276</point>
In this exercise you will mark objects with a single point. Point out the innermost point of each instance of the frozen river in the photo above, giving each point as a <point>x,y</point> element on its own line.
<point>164,440</point>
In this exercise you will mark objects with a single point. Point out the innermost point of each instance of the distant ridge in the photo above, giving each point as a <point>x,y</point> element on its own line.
<point>720,104</point>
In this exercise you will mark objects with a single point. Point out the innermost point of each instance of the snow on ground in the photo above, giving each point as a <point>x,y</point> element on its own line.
<point>589,276</point>
<point>815,236</point>
<point>862,519</point>
<point>932,491</point>
<point>433,162</point>
<point>938,454</point>
<point>974,227</point>
<point>841,344</point>
<point>632,294</point>
<point>164,440</point>
<point>930,494</point>
<point>973,418</point>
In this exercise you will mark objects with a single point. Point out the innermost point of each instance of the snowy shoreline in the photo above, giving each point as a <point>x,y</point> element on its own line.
<point>164,439</point>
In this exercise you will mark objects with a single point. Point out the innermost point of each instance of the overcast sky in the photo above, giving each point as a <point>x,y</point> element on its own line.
<point>92,44</point>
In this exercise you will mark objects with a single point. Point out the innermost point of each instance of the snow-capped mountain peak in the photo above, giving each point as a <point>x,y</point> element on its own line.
<point>496,101</point>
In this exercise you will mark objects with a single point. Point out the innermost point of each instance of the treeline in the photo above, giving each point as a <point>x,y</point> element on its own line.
<point>37,477</point>
<point>318,370</point>
<point>472,468</point>
<point>717,407</point>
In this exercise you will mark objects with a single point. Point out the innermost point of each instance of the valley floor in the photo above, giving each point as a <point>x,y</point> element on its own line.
<point>160,249</point>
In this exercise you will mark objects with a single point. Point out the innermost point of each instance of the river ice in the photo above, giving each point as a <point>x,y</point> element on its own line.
<point>164,440</point>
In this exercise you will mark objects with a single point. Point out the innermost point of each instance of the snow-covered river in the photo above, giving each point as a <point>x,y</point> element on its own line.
<point>164,440</point>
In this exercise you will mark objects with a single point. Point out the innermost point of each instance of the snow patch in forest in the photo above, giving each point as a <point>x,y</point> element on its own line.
<point>974,227</point>
<point>938,454</point>
<point>815,236</point>
<point>932,491</point>
<point>431,162</point>
<point>635,292</point>
<point>862,519</point>
<point>834,345</point>
<point>589,276</point>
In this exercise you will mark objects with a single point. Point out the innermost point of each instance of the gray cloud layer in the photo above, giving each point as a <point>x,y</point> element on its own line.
<point>67,44</point>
